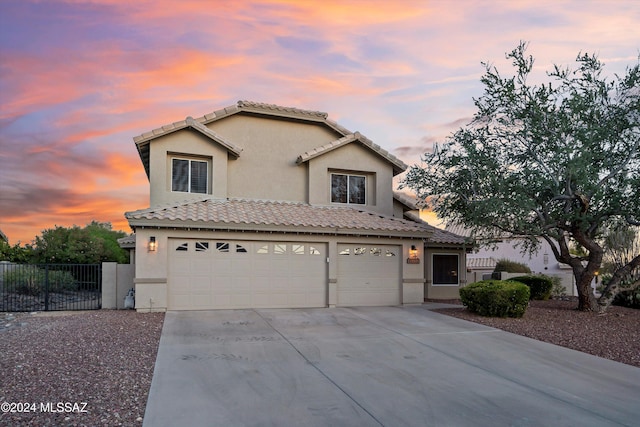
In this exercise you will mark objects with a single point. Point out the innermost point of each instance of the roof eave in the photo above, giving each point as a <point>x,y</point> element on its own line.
<point>270,228</point>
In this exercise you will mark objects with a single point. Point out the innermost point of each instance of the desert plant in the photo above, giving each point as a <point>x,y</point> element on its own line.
<point>628,298</point>
<point>509,266</point>
<point>31,280</point>
<point>539,285</point>
<point>558,290</point>
<point>496,298</point>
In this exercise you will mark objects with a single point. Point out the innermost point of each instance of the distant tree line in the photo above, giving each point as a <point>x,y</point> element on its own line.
<point>92,244</point>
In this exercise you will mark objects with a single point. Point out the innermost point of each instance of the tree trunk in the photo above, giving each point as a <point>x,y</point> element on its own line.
<point>586,299</point>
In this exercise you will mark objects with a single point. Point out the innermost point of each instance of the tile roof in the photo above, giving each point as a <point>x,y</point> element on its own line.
<point>127,241</point>
<point>481,263</point>
<point>142,141</point>
<point>398,165</point>
<point>439,235</point>
<point>406,200</point>
<point>264,215</point>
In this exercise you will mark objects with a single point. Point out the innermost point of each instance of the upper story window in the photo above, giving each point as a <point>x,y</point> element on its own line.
<point>349,189</point>
<point>189,176</point>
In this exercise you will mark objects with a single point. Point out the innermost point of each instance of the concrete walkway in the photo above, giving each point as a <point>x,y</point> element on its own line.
<point>389,366</point>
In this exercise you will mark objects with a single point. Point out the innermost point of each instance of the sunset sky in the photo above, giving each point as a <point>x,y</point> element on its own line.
<point>79,79</point>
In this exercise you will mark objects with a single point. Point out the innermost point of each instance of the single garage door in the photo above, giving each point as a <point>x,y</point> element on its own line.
<point>227,274</point>
<point>368,275</point>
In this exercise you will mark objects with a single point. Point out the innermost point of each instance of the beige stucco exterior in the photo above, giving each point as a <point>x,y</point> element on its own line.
<point>151,275</point>
<point>259,152</point>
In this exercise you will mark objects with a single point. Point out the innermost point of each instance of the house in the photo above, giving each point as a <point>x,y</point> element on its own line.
<point>262,206</point>
<point>483,260</point>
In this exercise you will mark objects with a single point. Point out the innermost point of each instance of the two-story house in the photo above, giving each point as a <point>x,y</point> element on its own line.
<point>262,206</point>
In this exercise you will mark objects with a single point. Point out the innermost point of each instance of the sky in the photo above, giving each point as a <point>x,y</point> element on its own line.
<point>80,78</point>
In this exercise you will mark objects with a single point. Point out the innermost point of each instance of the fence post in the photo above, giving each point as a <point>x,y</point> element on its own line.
<point>46,287</point>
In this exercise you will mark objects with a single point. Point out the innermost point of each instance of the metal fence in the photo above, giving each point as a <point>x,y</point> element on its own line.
<point>50,287</point>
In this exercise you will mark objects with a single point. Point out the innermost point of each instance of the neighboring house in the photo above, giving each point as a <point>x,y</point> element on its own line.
<point>3,237</point>
<point>262,206</point>
<point>482,262</point>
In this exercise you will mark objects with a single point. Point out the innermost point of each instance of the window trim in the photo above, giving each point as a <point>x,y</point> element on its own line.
<point>433,255</point>
<point>190,160</point>
<point>348,175</point>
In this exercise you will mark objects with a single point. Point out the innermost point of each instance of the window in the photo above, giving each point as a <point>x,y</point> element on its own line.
<point>360,251</point>
<point>189,176</point>
<point>445,269</point>
<point>183,247</point>
<point>202,246</point>
<point>241,249</point>
<point>297,249</point>
<point>349,189</point>
<point>280,248</point>
<point>222,246</point>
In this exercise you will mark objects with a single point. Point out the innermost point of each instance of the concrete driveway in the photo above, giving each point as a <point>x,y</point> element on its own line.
<point>373,366</point>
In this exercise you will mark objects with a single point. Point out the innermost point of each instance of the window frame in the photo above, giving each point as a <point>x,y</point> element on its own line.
<point>348,192</point>
<point>433,271</point>
<point>190,161</point>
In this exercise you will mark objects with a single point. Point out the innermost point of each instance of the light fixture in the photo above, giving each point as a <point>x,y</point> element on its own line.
<point>152,244</point>
<point>545,258</point>
<point>413,255</point>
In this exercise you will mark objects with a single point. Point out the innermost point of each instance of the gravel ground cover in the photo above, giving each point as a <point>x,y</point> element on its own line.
<point>105,358</point>
<point>88,368</point>
<point>614,335</point>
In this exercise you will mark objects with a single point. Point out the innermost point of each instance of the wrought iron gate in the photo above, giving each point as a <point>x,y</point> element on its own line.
<point>50,287</point>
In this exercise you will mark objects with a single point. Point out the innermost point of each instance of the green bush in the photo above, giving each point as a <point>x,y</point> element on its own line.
<point>30,280</point>
<point>509,266</point>
<point>628,298</point>
<point>496,298</point>
<point>540,286</point>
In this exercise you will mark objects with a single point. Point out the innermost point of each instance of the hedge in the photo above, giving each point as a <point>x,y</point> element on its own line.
<point>496,298</point>
<point>540,285</point>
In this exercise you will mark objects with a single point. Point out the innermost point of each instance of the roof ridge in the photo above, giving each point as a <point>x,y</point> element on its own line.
<point>398,164</point>
<point>264,106</point>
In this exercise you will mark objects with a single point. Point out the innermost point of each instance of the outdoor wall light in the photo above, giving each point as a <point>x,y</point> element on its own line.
<point>413,255</point>
<point>152,244</point>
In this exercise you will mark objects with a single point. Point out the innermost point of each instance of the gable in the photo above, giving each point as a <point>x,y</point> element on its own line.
<point>143,141</point>
<point>358,138</point>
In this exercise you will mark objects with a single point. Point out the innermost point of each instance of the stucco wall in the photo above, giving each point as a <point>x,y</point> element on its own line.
<point>152,267</point>
<point>356,159</point>
<point>185,144</point>
<point>437,291</point>
<point>267,166</point>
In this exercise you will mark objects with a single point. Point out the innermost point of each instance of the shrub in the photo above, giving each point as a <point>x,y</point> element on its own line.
<point>496,298</point>
<point>30,280</point>
<point>628,298</point>
<point>540,285</point>
<point>558,290</point>
<point>509,266</point>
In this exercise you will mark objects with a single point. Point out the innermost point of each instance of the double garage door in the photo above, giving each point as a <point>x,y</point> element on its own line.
<point>229,274</point>
<point>211,274</point>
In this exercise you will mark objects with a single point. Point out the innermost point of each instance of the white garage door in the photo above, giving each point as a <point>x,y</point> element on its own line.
<point>368,275</point>
<point>210,274</point>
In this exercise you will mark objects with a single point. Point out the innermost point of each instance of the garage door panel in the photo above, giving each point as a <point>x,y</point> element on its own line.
<point>244,274</point>
<point>368,275</point>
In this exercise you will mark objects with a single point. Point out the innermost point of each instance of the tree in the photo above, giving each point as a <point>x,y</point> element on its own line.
<point>95,243</point>
<point>621,244</point>
<point>558,161</point>
<point>15,253</point>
